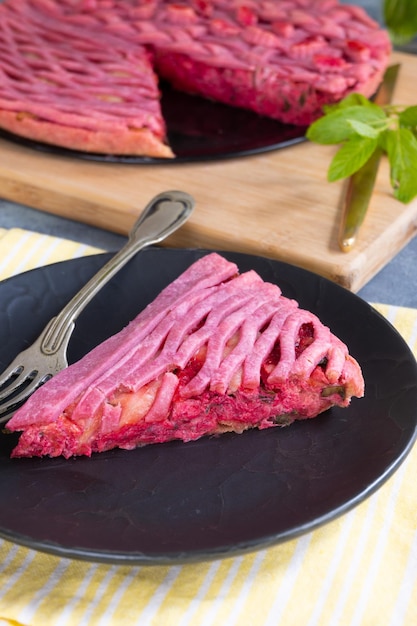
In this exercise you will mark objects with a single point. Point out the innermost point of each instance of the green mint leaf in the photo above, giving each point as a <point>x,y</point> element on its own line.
<point>408,117</point>
<point>400,17</point>
<point>401,147</point>
<point>382,140</point>
<point>364,130</point>
<point>329,129</point>
<point>336,127</point>
<point>351,156</point>
<point>350,100</point>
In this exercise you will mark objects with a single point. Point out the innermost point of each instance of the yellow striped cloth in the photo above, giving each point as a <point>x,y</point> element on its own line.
<point>359,570</point>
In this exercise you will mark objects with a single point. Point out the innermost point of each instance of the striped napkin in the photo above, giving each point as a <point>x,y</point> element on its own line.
<point>359,570</point>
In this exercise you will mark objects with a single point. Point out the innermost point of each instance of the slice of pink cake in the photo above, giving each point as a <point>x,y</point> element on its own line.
<point>216,351</point>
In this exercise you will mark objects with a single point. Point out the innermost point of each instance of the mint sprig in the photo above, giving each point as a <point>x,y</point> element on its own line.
<point>363,128</point>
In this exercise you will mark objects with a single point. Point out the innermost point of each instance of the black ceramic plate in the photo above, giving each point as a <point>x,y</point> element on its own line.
<point>198,130</point>
<point>215,497</point>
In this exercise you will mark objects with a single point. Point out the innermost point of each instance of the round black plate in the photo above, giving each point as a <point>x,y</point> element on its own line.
<point>215,497</point>
<point>198,130</point>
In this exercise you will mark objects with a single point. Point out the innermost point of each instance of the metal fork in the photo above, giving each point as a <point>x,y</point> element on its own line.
<point>48,354</point>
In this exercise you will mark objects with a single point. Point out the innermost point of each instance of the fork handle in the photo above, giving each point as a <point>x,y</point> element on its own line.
<point>161,217</point>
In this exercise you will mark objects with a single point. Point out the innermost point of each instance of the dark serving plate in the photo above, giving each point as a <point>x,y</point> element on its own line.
<point>198,130</point>
<point>215,497</point>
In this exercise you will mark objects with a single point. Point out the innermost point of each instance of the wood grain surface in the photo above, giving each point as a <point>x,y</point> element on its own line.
<point>277,204</point>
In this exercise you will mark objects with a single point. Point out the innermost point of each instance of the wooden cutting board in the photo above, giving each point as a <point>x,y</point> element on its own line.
<point>276,204</point>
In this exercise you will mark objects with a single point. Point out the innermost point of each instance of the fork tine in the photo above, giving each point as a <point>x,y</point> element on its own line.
<point>21,379</point>
<point>14,369</point>
<point>17,377</point>
<point>13,399</point>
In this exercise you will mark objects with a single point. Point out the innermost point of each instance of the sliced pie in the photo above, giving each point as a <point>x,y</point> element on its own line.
<point>216,351</point>
<point>84,74</point>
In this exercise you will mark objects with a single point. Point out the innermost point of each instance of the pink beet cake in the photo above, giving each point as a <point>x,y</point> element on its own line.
<point>216,351</point>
